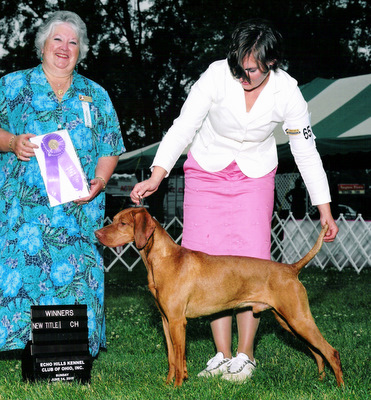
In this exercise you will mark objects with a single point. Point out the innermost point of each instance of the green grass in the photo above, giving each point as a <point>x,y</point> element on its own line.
<point>135,364</point>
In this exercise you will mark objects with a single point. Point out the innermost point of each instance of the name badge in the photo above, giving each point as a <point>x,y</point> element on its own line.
<point>85,98</point>
<point>87,116</point>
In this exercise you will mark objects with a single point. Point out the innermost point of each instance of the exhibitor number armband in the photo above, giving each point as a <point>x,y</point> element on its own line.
<point>306,131</point>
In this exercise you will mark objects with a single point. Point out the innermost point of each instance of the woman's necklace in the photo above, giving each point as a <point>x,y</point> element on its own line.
<point>60,92</point>
<point>61,88</point>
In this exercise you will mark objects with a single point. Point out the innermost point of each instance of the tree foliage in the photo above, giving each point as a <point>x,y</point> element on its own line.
<point>148,53</point>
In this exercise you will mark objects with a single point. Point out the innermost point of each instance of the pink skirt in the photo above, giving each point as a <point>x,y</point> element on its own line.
<point>226,212</point>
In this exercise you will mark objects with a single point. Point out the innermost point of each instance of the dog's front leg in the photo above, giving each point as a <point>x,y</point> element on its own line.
<point>170,349</point>
<point>177,328</point>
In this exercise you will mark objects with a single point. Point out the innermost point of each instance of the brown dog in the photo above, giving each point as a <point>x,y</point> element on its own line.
<point>190,284</point>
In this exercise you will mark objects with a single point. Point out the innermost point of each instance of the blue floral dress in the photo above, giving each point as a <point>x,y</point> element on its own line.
<point>49,255</point>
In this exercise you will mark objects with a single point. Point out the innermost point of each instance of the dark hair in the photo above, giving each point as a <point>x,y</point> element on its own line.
<point>256,37</point>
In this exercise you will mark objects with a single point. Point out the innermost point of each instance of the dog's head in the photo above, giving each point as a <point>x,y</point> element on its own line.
<point>129,225</point>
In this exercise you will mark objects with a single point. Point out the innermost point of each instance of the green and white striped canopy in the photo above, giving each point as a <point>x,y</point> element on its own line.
<point>340,116</point>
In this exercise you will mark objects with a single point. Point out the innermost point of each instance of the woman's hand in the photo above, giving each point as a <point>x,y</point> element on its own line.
<point>149,186</point>
<point>327,218</point>
<point>21,146</point>
<point>96,186</point>
<point>103,171</point>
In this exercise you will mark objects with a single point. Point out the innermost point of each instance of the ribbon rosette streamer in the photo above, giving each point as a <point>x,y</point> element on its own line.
<point>56,156</point>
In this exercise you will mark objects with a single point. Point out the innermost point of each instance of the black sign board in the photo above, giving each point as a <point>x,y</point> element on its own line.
<point>59,349</point>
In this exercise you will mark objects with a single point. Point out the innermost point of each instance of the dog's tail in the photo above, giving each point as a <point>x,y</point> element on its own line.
<point>315,249</point>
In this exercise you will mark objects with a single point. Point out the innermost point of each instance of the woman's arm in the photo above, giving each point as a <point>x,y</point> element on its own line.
<point>17,144</point>
<point>5,138</point>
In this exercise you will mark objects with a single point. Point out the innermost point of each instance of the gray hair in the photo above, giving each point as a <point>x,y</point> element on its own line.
<point>60,17</point>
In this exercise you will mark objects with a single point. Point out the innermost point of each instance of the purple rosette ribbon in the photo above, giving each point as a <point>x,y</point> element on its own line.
<point>56,156</point>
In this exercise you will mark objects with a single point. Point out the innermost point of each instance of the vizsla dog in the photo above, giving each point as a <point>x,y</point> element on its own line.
<point>190,284</point>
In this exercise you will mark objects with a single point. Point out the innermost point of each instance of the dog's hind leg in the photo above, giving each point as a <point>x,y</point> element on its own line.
<point>319,359</point>
<point>309,331</point>
<point>298,316</point>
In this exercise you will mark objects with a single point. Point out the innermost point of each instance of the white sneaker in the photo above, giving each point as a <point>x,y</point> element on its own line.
<point>239,368</point>
<point>215,366</point>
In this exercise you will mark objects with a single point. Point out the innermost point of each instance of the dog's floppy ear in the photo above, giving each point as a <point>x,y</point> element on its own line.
<point>143,227</point>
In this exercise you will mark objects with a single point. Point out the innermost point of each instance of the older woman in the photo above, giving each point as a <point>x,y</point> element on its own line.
<point>48,255</point>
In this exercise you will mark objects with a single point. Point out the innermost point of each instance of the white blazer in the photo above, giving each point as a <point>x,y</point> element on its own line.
<point>214,119</point>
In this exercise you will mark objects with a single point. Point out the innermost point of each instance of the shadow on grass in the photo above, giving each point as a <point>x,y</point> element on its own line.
<point>11,355</point>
